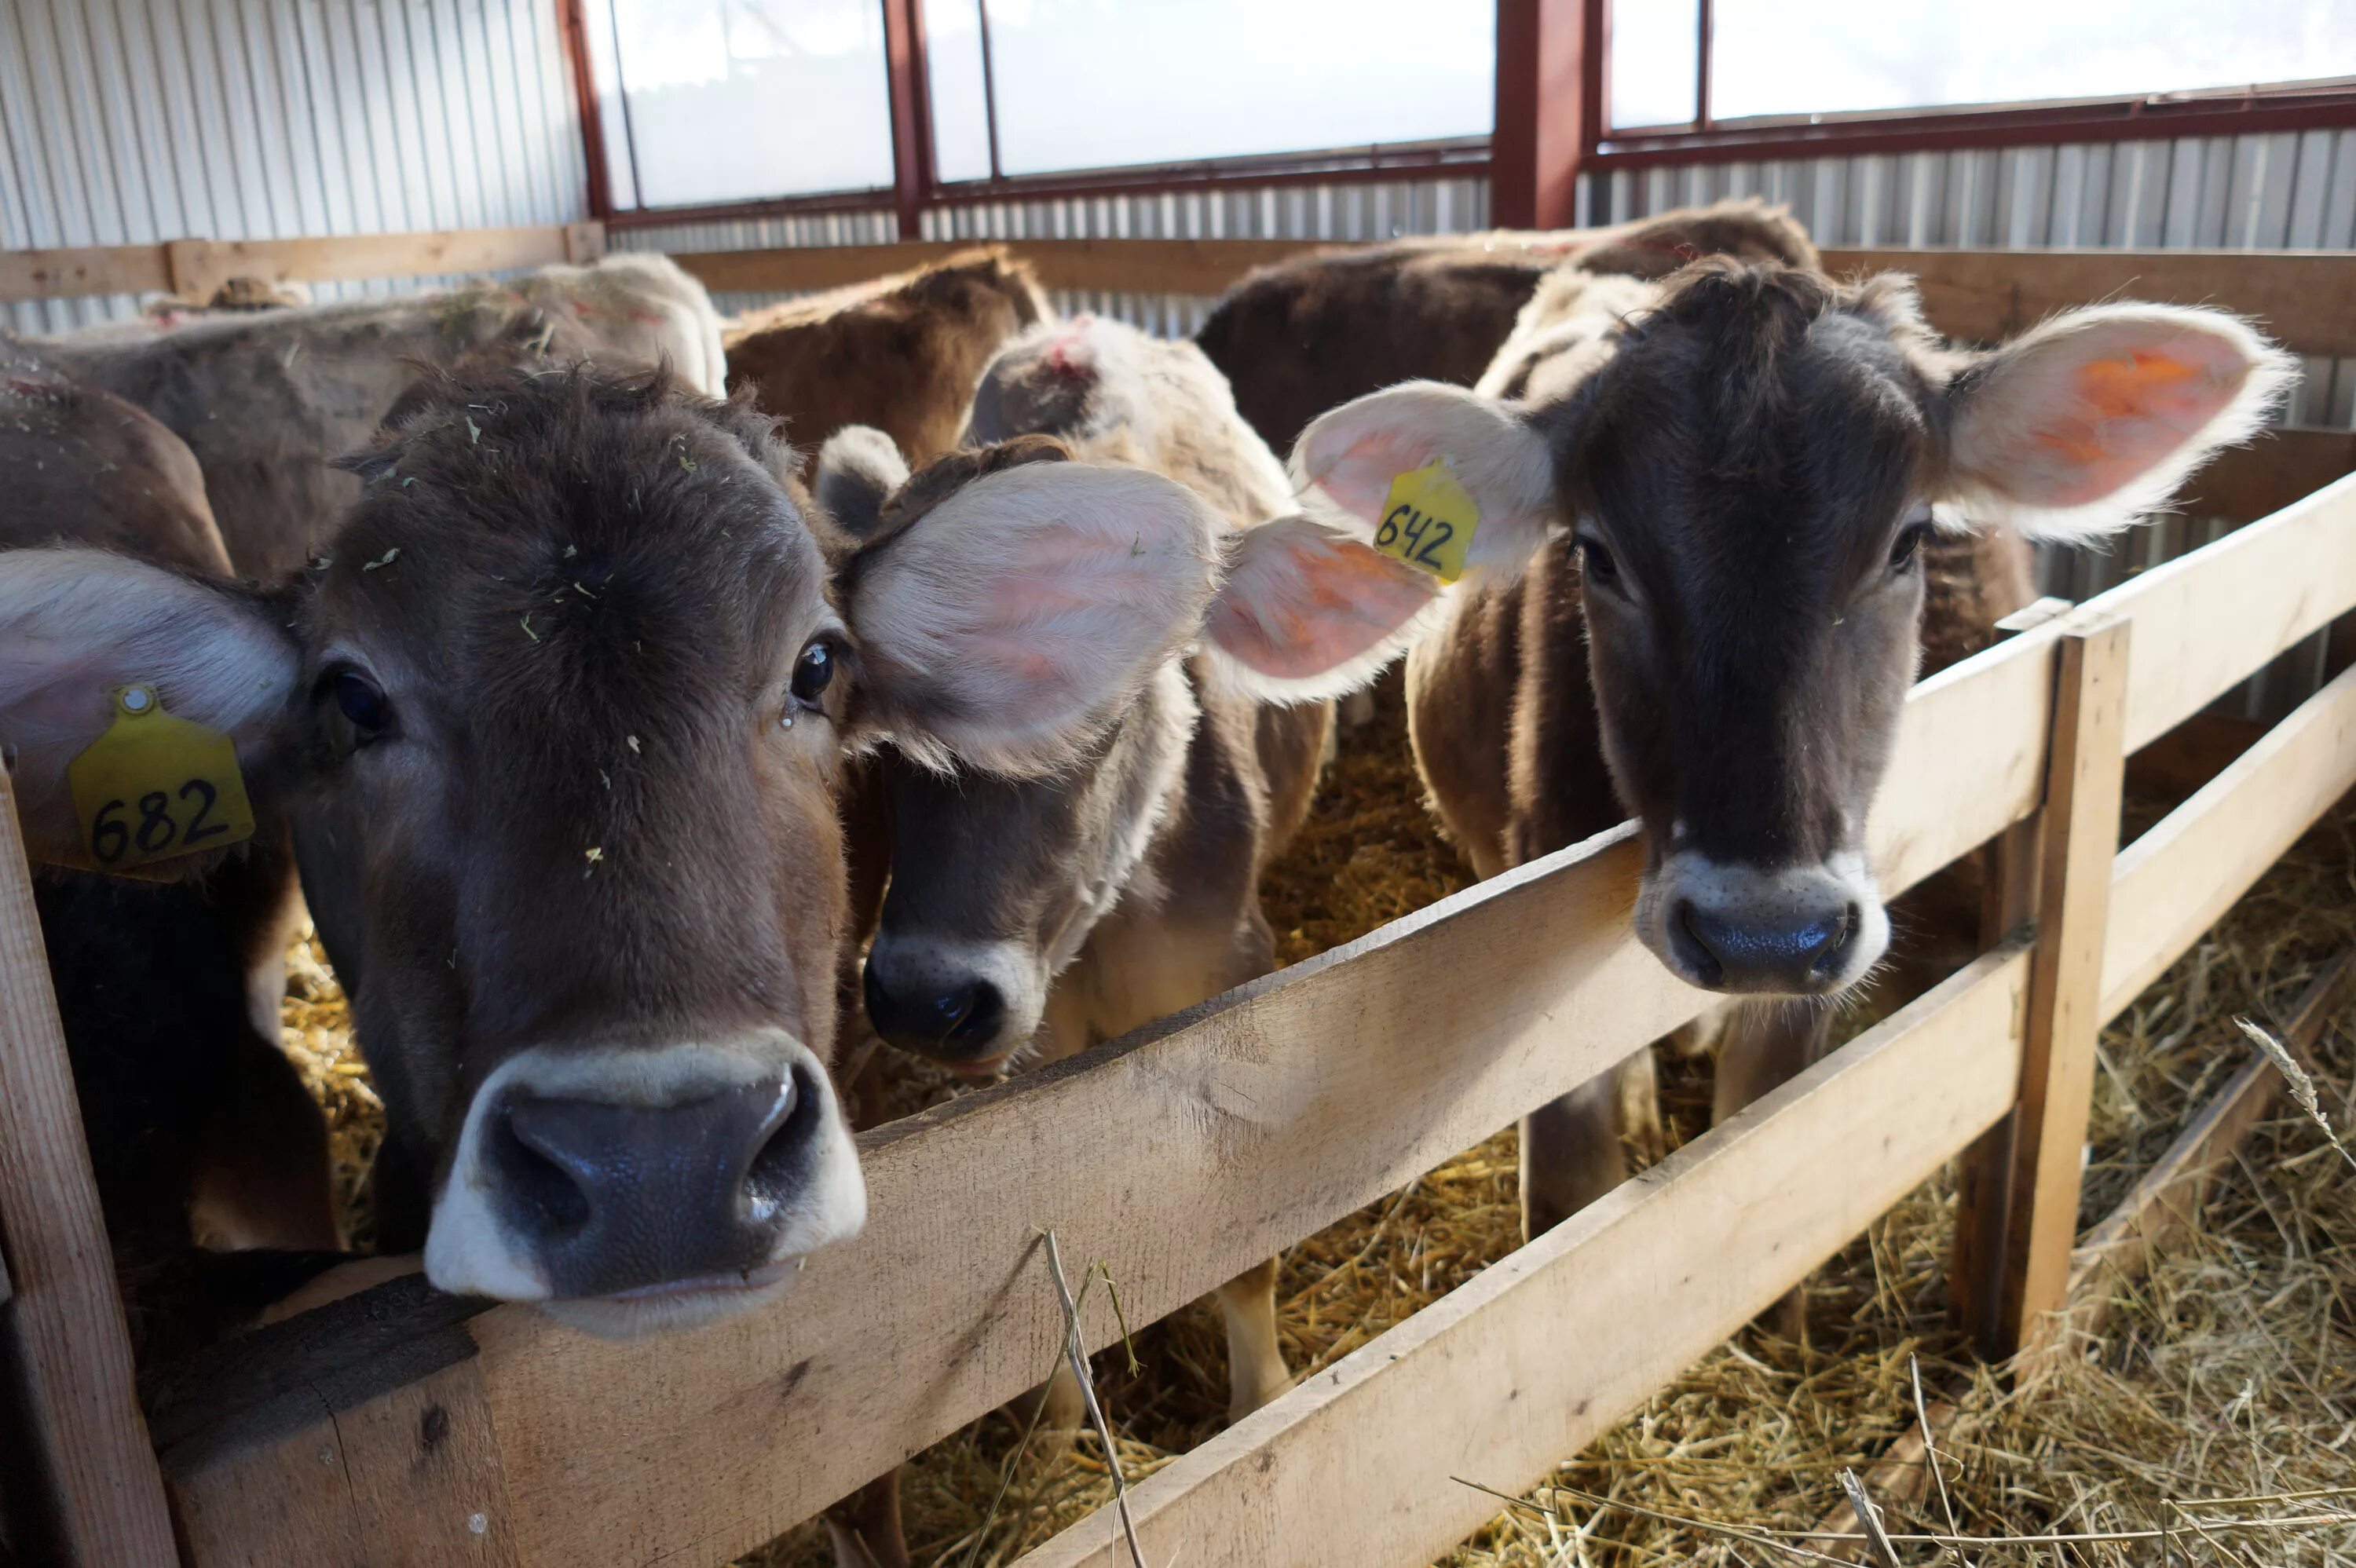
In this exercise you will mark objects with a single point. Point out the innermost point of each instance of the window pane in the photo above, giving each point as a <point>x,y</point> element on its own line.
<point>953,69</point>
<point>1092,83</point>
<point>1802,57</point>
<point>735,100</point>
<point>1655,50</point>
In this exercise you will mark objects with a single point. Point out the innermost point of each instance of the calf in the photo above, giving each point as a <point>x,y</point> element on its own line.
<point>1301,336</point>
<point>268,399</point>
<point>1029,919</point>
<point>1711,509</point>
<point>899,354</point>
<point>558,721</point>
<point>195,1121</point>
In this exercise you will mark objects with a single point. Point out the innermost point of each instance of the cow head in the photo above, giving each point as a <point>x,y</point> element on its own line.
<point>996,882</point>
<point>1747,468</point>
<point>560,723</point>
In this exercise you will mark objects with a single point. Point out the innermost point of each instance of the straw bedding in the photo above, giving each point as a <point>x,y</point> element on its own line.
<point>2231,1372</point>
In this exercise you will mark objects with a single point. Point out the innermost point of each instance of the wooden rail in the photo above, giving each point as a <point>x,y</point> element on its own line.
<point>195,268</point>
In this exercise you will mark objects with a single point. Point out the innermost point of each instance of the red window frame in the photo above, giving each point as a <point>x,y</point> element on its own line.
<point>1553,122</point>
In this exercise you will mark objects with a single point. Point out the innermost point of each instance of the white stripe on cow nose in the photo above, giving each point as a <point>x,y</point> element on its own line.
<point>646,1175</point>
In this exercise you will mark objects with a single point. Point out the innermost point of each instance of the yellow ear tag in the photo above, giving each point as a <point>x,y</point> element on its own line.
<point>1428,521</point>
<point>154,786</point>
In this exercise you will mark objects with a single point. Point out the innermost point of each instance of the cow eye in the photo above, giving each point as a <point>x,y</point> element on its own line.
<point>1595,563</point>
<point>1910,540</point>
<point>814,671</point>
<point>363,702</point>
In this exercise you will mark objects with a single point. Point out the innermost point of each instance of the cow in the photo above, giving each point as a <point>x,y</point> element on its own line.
<point>1303,335</point>
<point>267,400</point>
<point>1695,589</point>
<point>1029,919</point>
<point>558,718</point>
<point>900,354</point>
<point>198,1124</point>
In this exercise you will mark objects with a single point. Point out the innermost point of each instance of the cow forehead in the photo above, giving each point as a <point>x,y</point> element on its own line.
<point>583,604</point>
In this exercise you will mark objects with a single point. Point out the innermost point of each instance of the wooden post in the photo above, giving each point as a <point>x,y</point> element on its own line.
<point>1549,109</point>
<point>912,119</point>
<point>2018,1214</point>
<point>63,1333</point>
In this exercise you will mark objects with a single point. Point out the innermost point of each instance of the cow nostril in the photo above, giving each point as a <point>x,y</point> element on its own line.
<point>1835,944</point>
<point>984,1011</point>
<point>953,1007</point>
<point>536,1177</point>
<point>781,1164</point>
<point>1708,968</point>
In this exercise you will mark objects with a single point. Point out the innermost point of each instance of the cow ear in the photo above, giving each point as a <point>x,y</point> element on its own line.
<point>77,625</point>
<point>2097,416</point>
<point>1015,617</point>
<point>1348,461</point>
<point>1306,611</point>
<point>858,469</point>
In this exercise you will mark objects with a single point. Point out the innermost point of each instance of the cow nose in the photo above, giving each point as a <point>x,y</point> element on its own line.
<point>955,1020</point>
<point>1756,951</point>
<point>610,1198</point>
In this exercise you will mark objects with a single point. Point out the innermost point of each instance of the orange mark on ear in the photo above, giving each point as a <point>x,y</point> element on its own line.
<point>2122,389</point>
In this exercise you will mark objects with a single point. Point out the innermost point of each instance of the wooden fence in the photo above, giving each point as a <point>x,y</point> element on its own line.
<point>398,1426</point>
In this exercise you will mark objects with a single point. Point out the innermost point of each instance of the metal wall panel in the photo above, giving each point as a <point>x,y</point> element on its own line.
<point>128,121</point>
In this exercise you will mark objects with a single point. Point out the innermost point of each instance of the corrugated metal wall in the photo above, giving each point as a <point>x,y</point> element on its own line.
<point>127,121</point>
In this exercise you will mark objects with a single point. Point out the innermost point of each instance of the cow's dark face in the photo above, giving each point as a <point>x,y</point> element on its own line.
<point>1747,461</point>
<point>561,724</point>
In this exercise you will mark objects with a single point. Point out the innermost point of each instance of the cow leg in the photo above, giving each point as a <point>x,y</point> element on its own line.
<point>1570,1151</point>
<point>262,1177</point>
<point>1255,1368</point>
<point>864,1527</point>
<point>1764,1045</point>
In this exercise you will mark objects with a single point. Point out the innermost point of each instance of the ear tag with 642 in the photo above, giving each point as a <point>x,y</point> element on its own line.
<point>1428,521</point>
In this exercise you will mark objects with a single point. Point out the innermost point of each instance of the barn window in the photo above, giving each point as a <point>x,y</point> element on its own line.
<point>709,101</point>
<point>1088,84</point>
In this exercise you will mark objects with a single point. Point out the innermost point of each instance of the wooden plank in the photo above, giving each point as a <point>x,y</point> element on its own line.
<point>1138,266</point>
<point>1902,1475</point>
<point>89,270</point>
<point>410,1478</point>
<point>200,266</point>
<point>1523,1366</point>
<point>2306,298</point>
<point>2180,878</point>
<point>2080,837</point>
<point>2166,1201</point>
<point>2282,466</point>
<point>2206,620</point>
<point>1263,1116</point>
<point>65,1327</point>
<point>196,268</point>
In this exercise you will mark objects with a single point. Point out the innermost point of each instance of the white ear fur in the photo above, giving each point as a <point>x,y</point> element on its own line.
<point>76,624</point>
<point>1007,623</point>
<point>1306,611</point>
<point>2097,416</point>
<point>1346,459</point>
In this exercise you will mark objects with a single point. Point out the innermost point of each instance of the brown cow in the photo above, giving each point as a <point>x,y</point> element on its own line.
<point>559,722</point>
<point>195,1121</point>
<point>1305,335</point>
<point>1748,465</point>
<point>268,399</point>
<point>900,354</point>
<point>1029,919</point>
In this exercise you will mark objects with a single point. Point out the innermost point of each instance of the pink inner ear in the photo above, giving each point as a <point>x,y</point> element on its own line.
<point>1315,606</point>
<point>2118,417</point>
<point>1359,478</point>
